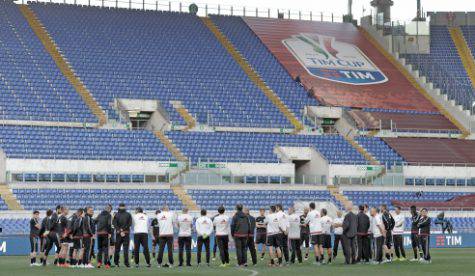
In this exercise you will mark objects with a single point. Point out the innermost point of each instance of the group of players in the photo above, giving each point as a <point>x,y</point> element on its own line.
<point>365,236</point>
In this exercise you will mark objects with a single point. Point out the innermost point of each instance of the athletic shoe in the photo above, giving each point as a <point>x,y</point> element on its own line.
<point>421,259</point>
<point>107,267</point>
<point>88,266</point>
<point>402,259</point>
<point>222,265</point>
<point>413,260</point>
<point>374,263</point>
<point>137,266</point>
<point>99,265</point>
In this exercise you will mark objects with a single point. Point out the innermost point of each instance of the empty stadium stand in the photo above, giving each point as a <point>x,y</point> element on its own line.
<point>161,56</point>
<point>149,199</point>
<point>380,150</point>
<point>444,67</point>
<point>458,202</point>
<point>33,88</point>
<point>3,205</point>
<point>81,143</point>
<point>469,34</point>
<point>259,147</point>
<point>434,150</point>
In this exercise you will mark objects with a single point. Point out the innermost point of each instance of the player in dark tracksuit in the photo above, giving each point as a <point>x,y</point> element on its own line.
<point>250,239</point>
<point>155,233</point>
<point>261,234</point>
<point>362,238</point>
<point>305,233</point>
<point>49,233</point>
<point>122,222</point>
<point>416,247</point>
<point>62,228</point>
<point>104,233</point>
<point>88,234</point>
<point>424,234</point>
<point>35,228</point>
<point>77,230</point>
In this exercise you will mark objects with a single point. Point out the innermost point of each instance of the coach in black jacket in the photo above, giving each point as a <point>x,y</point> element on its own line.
<point>104,232</point>
<point>362,238</point>
<point>240,228</point>
<point>122,223</point>
<point>350,226</point>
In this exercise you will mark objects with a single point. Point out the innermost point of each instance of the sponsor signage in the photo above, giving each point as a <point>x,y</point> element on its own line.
<point>326,58</point>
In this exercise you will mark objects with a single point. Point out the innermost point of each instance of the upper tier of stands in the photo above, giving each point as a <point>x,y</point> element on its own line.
<point>268,67</point>
<point>380,150</point>
<point>32,87</point>
<point>444,67</point>
<point>469,34</point>
<point>434,150</point>
<point>259,147</point>
<point>120,53</point>
<point>80,143</point>
<point>148,199</point>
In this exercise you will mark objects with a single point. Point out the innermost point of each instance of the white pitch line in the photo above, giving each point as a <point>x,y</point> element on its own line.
<point>253,272</point>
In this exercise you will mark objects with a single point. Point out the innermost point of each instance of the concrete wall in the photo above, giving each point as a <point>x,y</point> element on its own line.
<point>263,169</point>
<point>3,172</point>
<point>459,18</point>
<point>317,166</point>
<point>438,172</point>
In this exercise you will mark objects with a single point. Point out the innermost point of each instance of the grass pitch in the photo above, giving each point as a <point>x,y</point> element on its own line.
<point>444,262</point>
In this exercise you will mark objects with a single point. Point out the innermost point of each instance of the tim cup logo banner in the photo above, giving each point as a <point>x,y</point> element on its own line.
<point>329,59</point>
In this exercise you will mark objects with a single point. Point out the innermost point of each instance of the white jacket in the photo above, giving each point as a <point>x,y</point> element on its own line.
<point>294,226</point>
<point>326,225</point>
<point>184,224</point>
<point>222,224</point>
<point>314,222</point>
<point>204,226</point>
<point>166,220</point>
<point>398,224</point>
<point>273,224</point>
<point>140,223</point>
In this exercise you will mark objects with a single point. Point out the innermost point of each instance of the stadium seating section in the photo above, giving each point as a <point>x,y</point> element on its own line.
<point>444,67</point>
<point>259,147</point>
<point>380,150</point>
<point>149,199</point>
<point>3,206</point>
<point>32,86</point>
<point>469,34</point>
<point>80,143</point>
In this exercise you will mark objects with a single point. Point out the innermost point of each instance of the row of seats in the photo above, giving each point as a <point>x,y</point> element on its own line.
<point>42,199</point>
<point>81,143</point>
<point>380,150</point>
<point>259,147</point>
<point>120,53</point>
<point>3,205</point>
<point>33,88</point>
<point>414,181</point>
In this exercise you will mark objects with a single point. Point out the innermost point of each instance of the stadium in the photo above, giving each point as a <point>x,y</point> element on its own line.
<point>159,105</point>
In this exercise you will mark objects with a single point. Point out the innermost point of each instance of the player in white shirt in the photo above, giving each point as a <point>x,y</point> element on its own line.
<point>166,221</point>
<point>284,225</point>
<point>222,225</point>
<point>204,229</point>
<point>337,232</point>
<point>327,223</point>
<point>315,225</point>
<point>398,231</point>
<point>184,223</point>
<point>140,222</point>
<point>294,235</point>
<point>273,240</point>
<point>379,233</point>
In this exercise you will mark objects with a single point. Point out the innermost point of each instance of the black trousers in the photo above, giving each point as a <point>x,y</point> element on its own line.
<point>168,242</point>
<point>184,244</point>
<point>103,249</point>
<point>87,244</point>
<point>252,249</point>
<point>141,239</point>
<point>296,251</point>
<point>364,248</point>
<point>285,246</point>
<point>125,243</point>
<point>349,248</point>
<point>223,245</point>
<point>371,245</point>
<point>378,249</point>
<point>215,246</point>
<point>51,240</point>
<point>399,246</point>
<point>335,245</point>
<point>241,249</point>
<point>199,244</point>
<point>425,244</point>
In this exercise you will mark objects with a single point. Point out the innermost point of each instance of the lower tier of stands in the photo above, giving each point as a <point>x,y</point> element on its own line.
<point>3,205</point>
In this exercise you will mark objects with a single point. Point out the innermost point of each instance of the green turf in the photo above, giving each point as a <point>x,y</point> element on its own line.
<point>445,262</point>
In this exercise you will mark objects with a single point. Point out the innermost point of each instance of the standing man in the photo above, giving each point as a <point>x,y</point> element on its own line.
<point>250,239</point>
<point>122,223</point>
<point>63,236</point>
<point>416,246</point>
<point>424,235</point>
<point>155,233</point>
<point>166,221</point>
<point>294,236</point>
<point>362,238</point>
<point>204,229</point>
<point>88,233</point>
<point>184,224</point>
<point>49,233</point>
<point>305,232</point>
<point>76,229</point>
<point>221,223</point>
<point>370,233</point>
<point>337,232</point>
<point>273,241</point>
<point>314,222</point>
<point>388,221</point>
<point>379,233</point>
<point>35,227</point>
<point>284,226</point>
<point>398,238</point>
<point>261,236</point>
<point>327,223</point>
<point>104,233</point>
<point>240,228</point>
<point>140,236</point>
<point>350,226</point>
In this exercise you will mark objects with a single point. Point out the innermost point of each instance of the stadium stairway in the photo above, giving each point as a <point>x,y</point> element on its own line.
<point>62,63</point>
<point>367,156</point>
<point>185,114</point>
<point>184,197</point>
<point>253,75</point>
<point>9,198</point>
<point>335,192</point>
<point>465,132</point>
<point>464,52</point>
